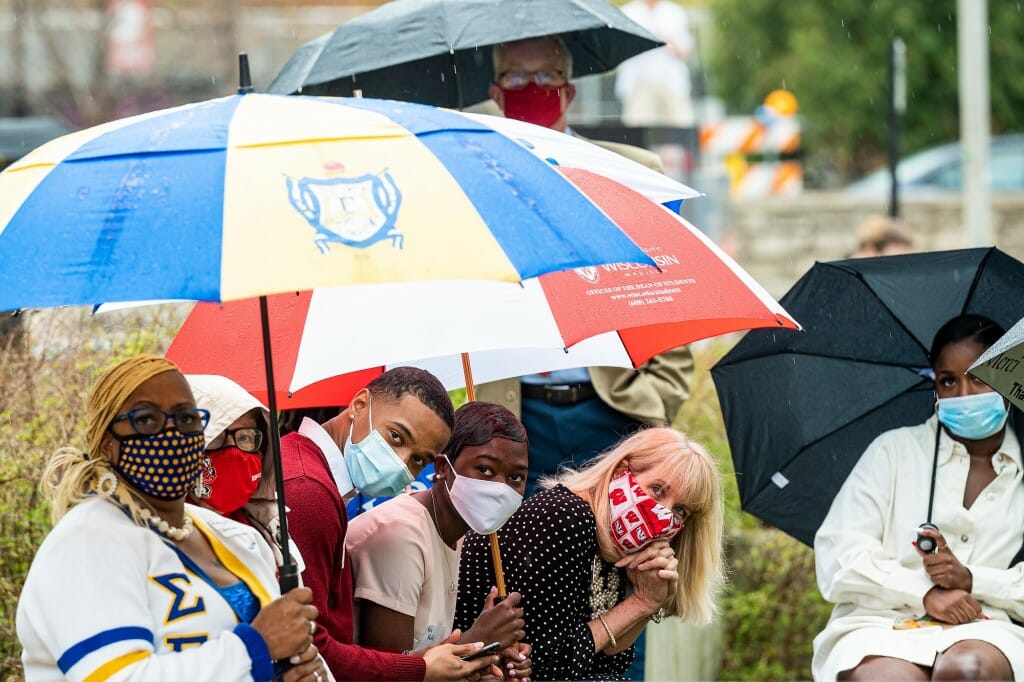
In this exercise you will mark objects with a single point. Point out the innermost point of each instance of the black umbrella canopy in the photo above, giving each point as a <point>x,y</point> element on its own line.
<point>800,408</point>
<point>438,52</point>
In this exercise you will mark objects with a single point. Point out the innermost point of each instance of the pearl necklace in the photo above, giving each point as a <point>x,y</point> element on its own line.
<point>604,590</point>
<point>437,527</point>
<point>166,529</point>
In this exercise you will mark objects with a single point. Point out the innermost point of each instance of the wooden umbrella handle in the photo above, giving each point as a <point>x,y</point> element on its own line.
<point>467,372</point>
<point>499,574</point>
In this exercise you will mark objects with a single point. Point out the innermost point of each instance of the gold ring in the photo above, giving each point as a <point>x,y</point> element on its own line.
<point>943,546</point>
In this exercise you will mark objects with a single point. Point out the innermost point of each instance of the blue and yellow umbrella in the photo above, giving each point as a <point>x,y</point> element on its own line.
<point>255,194</point>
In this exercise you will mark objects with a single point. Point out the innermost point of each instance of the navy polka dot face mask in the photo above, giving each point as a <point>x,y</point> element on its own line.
<point>164,465</point>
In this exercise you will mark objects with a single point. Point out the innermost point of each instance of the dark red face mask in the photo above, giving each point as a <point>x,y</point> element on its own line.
<point>534,104</point>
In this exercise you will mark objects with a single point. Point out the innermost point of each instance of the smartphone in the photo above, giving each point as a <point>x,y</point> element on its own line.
<point>488,650</point>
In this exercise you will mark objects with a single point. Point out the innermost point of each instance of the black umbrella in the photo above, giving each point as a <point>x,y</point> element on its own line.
<point>439,51</point>
<point>800,408</point>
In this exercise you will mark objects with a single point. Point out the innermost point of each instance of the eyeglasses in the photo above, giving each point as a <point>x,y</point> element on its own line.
<point>247,439</point>
<point>148,421</point>
<point>517,80</point>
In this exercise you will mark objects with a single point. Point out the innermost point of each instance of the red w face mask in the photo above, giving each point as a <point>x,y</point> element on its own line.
<point>534,104</point>
<point>637,520</point>
<point>230,477</point>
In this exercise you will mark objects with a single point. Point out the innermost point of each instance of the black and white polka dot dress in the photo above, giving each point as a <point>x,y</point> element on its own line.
<point>547,552</point>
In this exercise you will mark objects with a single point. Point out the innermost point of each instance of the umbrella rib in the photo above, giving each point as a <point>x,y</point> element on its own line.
<point>594,55</point>
<point>975,281</point>
<point>859,275</point>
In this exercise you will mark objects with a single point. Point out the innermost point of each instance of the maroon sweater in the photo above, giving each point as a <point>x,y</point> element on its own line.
<point>318,523</point>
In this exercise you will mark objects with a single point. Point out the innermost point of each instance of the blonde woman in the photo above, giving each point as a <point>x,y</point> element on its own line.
<point>635,535</point>
<point>134,583</point>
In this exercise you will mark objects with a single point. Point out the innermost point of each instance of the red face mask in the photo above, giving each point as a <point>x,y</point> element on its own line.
<point>534,104</point>
<point>637,520</point>
<point>230,477</point>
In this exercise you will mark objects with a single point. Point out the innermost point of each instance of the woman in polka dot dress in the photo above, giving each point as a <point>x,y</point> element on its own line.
<point>633,536</point>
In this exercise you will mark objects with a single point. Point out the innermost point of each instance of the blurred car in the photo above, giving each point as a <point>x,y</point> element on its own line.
<point>19,136</point>
<point>938,170</point>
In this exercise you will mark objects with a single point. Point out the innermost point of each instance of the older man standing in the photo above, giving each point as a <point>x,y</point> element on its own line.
<point>571,415</point>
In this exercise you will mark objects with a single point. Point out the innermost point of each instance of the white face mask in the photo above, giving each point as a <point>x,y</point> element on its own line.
<point>485,506</point>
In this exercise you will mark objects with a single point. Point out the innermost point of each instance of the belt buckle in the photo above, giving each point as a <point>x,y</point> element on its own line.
<point>561,394</point>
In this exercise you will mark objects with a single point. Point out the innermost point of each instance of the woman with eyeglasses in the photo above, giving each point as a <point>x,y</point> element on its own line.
<point>133,582</point>
<point>632,536</point>
<point>237,477</point>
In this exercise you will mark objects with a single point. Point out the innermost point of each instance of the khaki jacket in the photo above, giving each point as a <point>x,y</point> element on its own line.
<point>652,393</point>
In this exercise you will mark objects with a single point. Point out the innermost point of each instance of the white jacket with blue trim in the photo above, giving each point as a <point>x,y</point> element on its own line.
<point>107,599</point>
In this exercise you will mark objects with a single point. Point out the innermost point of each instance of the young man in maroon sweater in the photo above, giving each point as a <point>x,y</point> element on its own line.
<point>379,443</point>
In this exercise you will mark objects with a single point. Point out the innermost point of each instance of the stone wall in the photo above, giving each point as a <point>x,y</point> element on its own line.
<point>778,240</point>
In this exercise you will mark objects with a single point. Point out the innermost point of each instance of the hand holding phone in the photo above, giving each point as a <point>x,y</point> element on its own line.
<point>488,650</point>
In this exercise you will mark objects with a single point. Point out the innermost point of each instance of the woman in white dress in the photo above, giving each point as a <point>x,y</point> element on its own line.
<point>904,613</point>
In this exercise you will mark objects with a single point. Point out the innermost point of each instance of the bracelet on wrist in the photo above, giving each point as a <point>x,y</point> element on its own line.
<point>607,629</point>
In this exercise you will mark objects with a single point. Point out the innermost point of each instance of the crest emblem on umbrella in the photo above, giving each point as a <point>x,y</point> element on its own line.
<point>356,211</point>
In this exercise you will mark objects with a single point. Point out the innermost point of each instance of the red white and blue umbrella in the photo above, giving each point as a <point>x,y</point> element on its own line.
<point>618,314</point>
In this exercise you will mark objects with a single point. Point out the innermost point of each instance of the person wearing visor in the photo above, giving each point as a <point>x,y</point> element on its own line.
<point>633,536</point>
<point>237,477</point>
<point>920,549</point>
<point>390,430</point>
<point>132,582</point>
<point>405,552</point>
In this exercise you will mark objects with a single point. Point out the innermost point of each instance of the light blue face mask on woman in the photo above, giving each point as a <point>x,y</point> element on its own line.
<point>375,468</point>
<point>974,416</point>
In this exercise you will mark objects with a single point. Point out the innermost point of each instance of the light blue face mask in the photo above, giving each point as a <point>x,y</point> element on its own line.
<point>974,416</point>
<point>375,468</point>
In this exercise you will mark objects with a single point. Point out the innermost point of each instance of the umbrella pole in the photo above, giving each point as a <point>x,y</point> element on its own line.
<point>288,574</point>
<point>499,573</point>
<point>458,83</point>
<point>467,372</point>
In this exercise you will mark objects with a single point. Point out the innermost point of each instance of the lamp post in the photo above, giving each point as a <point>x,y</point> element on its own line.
<point>896,109</point>
<point>972,58</point>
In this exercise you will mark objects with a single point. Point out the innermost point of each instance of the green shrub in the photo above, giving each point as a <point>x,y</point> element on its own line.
<point>771,609</point>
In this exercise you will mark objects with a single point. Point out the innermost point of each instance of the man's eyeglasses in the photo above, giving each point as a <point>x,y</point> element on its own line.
<point>148,421</point>
<point>247,439</point>
<point>517,80</point>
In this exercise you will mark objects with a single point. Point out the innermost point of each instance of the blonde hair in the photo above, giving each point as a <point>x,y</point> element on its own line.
<point>498,52</point>
<point>72,475</point>
<point>687,467</point>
